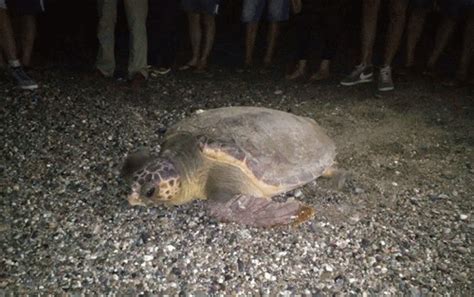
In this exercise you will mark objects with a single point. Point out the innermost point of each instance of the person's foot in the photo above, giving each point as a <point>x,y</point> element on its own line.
<point>430,70</point>
<point>201,67</point>
<point>191,65</point>
<point>295,74</point>
<point>361,74</point>
<point>299,71</point>
<point>322,74</point>
<point>245,68</point>
<point>138,81</point>
<point>22,79</point>
<point>408,69</point>
<point>385,82</point>
<point>97,74</point>
<point>458,81</point>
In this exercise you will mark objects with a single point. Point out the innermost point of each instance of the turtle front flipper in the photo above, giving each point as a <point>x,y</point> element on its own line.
<point>260,212</point>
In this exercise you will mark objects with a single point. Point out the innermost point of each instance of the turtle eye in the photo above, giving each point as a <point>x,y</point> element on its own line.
<point>150,192</point>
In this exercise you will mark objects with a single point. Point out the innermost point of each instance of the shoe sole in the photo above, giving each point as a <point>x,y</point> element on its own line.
<point>34,87</point>
<point>163,72</point>
<point>353,83</point>
<point>386,89</point>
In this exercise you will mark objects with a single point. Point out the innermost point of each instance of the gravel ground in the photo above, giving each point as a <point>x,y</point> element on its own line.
<point>402,224</point>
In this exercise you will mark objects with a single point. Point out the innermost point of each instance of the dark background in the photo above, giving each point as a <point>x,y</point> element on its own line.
<point>67,37</point>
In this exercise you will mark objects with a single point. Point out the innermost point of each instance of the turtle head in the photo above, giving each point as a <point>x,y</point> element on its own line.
<point>155,183</point>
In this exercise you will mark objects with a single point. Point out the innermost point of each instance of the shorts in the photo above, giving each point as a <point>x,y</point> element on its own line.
<point>3,4</point>
<point>28,7</point>
<point>450,8</point>
<point>210,7</point>
<point>277,10</point>
<point>455,8</point>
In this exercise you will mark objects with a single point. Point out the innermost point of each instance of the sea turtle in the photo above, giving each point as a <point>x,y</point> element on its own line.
<point>236,158</point>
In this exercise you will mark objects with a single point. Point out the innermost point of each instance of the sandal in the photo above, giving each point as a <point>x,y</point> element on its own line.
<point>187,67</point>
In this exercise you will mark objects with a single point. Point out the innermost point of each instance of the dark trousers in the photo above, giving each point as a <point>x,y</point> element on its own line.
<point>162,32</point>
<point>319,30</point>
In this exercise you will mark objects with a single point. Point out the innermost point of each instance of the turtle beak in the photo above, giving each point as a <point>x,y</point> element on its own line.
<point>134,199</point>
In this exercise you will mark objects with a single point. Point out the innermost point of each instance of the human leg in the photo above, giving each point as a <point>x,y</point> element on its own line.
<point>273,30</point>
<point>251,13</point>
<point>7,36</point>
<point>195,35</point>
<point>278,11</point>
<point>394,35</point>
<point>415,26</point>
<point>209,24</point>
<point>136,11</point>
<point>332,23</point>
<point>395,29</point>
<point>105,62</point>
<point>369,27</point>
<point>250,36</point>
<point>303,31</point>
<point>467,49</point>
<point>28,35</point>
<point>363,72</point>
<point>443,34</point>
<point>7,41</point>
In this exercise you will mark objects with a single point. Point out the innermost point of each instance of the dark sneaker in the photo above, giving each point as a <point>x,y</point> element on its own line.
<point>385,82</point>
<point>361,74</point>
<point>22,79</point>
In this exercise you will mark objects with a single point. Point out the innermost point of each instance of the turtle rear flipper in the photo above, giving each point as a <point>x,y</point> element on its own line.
<point>260,212</point>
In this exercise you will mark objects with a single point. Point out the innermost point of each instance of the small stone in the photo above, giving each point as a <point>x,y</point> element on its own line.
<point>359,191</point>
<point>170,248</point>
<point>328,268</point>
<point>443,196</point>
<point>148,258</point>
<point>463,217</point>
<point>268,276</point>
<point>278,92</point>
<point>199,111</point>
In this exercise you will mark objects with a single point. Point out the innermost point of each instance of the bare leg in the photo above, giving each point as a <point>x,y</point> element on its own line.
<point>251,34</point>
<point>273,30</point>
<point>395,30</point>
<point>209,22</point>
<point>369,27</point>
<point>195,36</point>
<point>467,49</point>
<point>9,48</point>
<point>442,37</point>
<point>6,33</point>
<point>27,38</point>
<point>414,29</point>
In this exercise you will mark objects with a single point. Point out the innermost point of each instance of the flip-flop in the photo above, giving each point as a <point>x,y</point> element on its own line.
<point>187,67</point>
